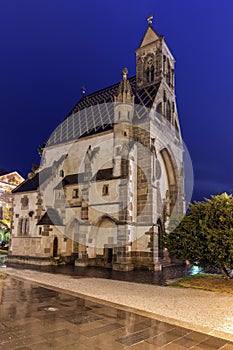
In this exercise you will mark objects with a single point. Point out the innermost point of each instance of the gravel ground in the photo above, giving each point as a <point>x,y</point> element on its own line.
<point>199,310</point>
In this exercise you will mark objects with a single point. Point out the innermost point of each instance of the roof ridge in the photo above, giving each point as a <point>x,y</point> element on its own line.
<point>107,87</point>
<point>83,98</point>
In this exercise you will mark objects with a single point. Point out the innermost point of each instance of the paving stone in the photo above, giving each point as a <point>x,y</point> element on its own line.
<point>102,330</point>
<point>85,325</point>
<point>212,343</point>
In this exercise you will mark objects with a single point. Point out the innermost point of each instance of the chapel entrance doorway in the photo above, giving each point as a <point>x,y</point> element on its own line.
<point>108,257</point>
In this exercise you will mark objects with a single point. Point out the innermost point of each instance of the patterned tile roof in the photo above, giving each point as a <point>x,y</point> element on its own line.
<point>144,97</point>
<point>94,113</point>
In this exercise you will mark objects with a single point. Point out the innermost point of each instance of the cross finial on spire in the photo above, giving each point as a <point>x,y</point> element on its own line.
<point>150,19</point>
<point>124,73</point>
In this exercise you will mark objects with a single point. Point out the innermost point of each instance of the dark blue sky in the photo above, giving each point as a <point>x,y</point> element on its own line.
<point>51,48</point>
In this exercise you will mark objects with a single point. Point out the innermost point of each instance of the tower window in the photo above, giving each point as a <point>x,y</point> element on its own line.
<point>159,109</point>
<point>125,133</point>
<point>164,63</point>
<point>157,67</point>
<point>169,116</point>
<point>168,74</point>
<point>164,96</point>
<point>173,107</point>
<point>149,70</point>
<point>105,190</point>
<point>75,193</point>
<point>150,74</point>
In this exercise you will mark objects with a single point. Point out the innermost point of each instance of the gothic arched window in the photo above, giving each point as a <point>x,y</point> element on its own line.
<point>159,109</point>
<point>164,63</point>
<point>149,70</point>
<point>168,74</point>
<point>152,73</point>
<point>148,75</point>
<point>21,226</point>
<point>169,113</point>
<point>26,226</point>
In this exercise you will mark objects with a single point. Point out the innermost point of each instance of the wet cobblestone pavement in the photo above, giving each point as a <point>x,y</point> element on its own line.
<point>37,318</point>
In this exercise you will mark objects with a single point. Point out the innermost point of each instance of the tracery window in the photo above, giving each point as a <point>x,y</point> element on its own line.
<point>150,70</point>
<point>23,226</point>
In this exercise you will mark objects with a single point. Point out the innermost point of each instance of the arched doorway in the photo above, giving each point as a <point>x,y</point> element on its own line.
<point>160,239</point>
<point>55,247</point>
<point>104,240</point>
<point>75,247</point>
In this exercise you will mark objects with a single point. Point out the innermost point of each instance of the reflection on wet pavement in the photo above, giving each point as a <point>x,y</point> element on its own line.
<point>37,318</point>
<point>137,276</point>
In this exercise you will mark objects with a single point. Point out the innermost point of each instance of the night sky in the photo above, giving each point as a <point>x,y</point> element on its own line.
<point>51,48</point>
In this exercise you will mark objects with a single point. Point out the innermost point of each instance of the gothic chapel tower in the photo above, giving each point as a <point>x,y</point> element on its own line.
<point>155,78</point>
<point>155,64</point>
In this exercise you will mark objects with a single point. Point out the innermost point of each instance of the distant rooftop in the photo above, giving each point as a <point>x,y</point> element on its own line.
<point>3,172</point>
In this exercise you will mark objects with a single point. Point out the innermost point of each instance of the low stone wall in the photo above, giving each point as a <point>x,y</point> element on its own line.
<point>27,260</point>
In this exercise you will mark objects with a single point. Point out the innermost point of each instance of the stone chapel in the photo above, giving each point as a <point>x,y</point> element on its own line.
<point>111,175</point>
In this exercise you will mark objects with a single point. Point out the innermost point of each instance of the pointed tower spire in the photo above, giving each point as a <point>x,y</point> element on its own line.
<point>124,100</point>
<point>124,93</point>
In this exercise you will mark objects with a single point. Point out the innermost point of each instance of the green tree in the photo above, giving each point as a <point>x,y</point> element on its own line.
<point>205,235</point>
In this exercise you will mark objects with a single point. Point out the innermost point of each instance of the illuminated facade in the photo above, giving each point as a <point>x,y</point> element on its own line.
<point>111,176</point>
